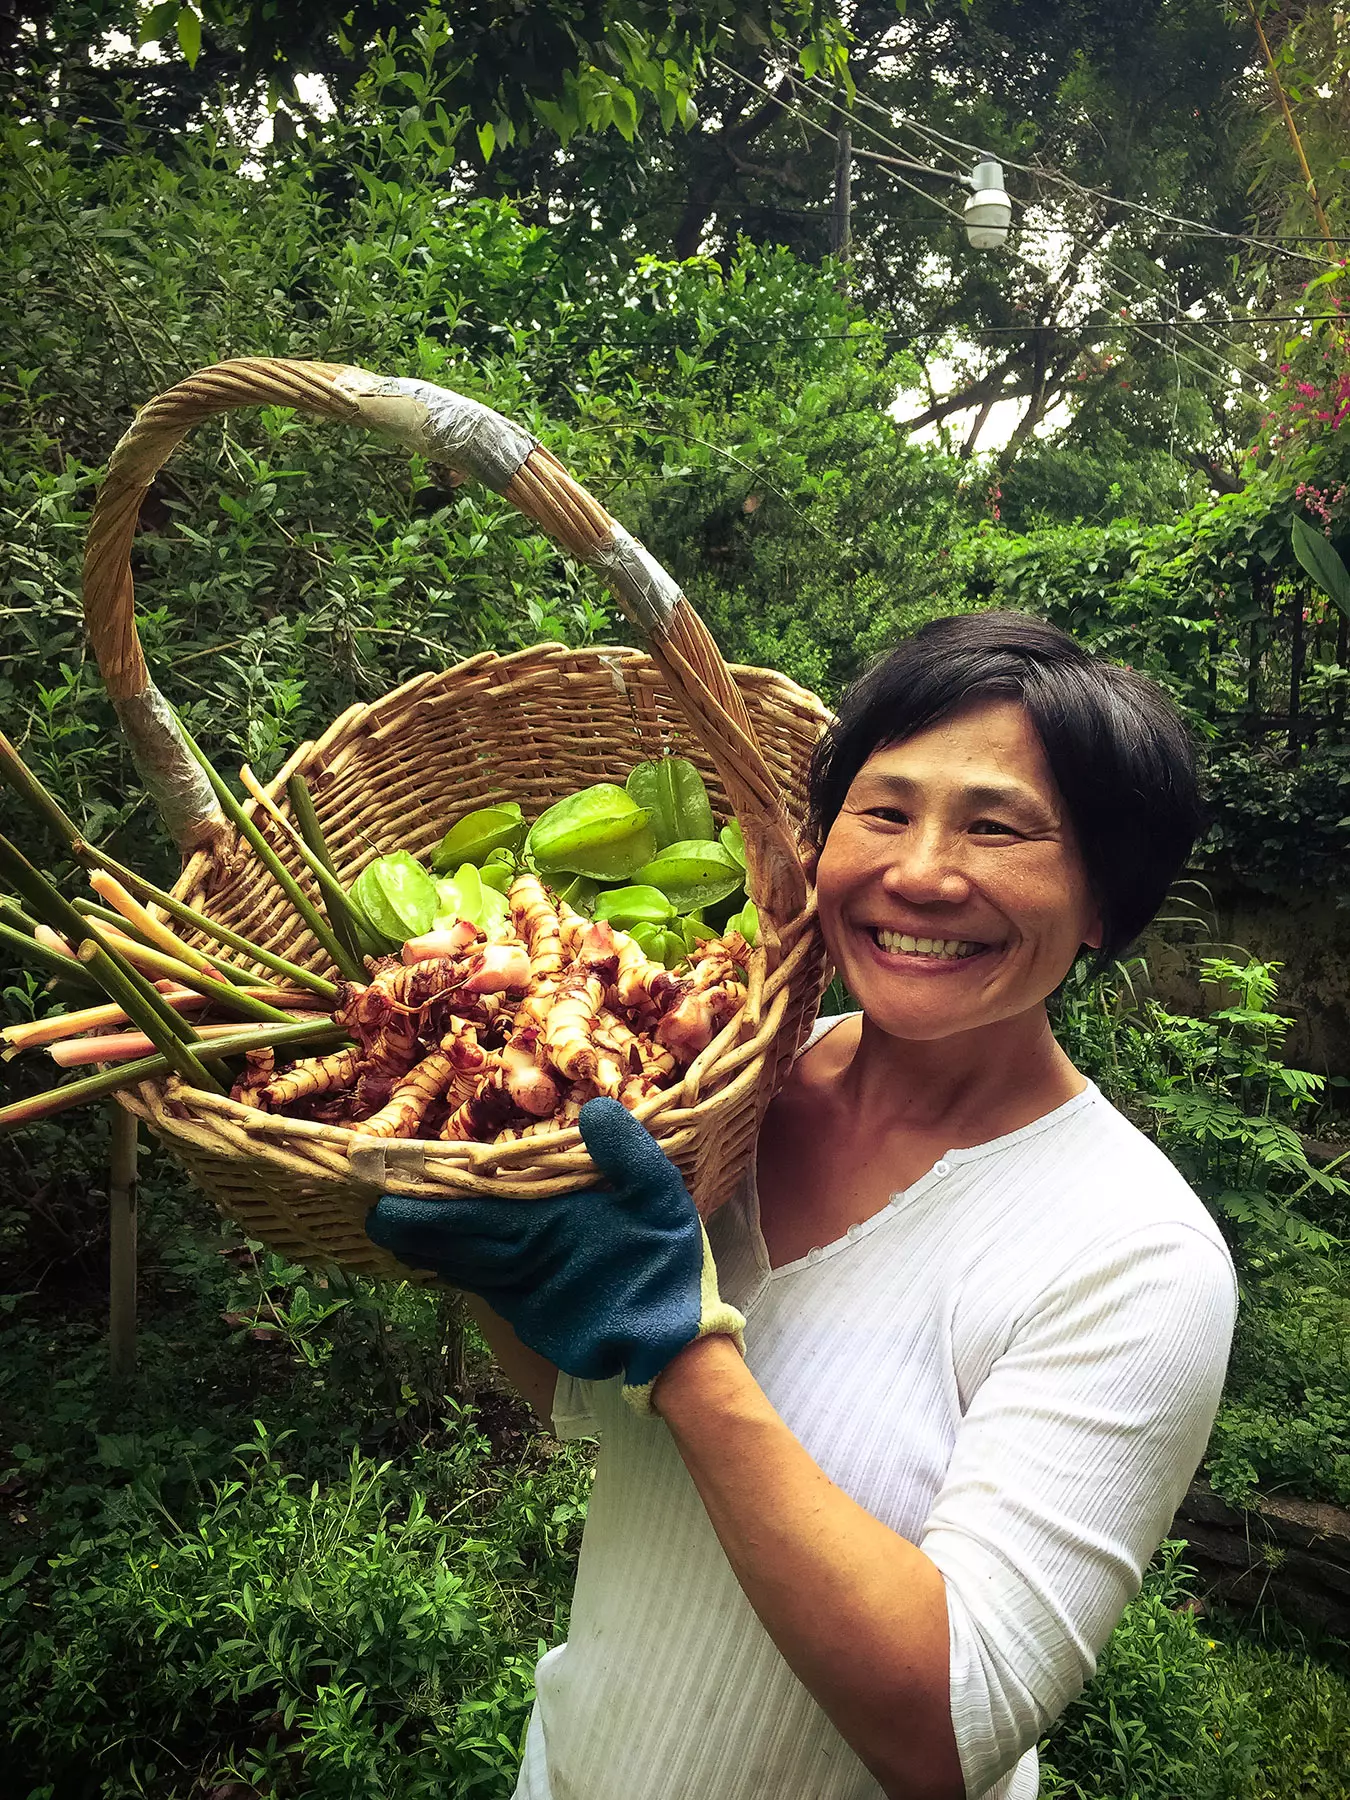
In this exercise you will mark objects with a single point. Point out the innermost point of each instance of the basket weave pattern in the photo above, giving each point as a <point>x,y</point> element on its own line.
<point>532,727</point>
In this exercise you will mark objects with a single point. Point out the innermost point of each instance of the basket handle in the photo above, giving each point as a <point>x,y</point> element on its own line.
<point>477,443</point>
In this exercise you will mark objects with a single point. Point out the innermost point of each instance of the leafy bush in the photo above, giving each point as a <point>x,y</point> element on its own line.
<point>372,1635</point>
<point>1159,1721</point>
<point>1224,1106</point>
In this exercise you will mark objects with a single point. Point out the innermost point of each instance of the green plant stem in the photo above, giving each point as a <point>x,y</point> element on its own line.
<point>149,1018</point>
<point>14,771</point>
<point>57,912</point>
<point>18,918</point>
<point>104,915</point>
<point>45,900</point>
<point>318,1036</point>
<point>218,933</point>
<point>351,967</point>
<point>222,993</point>
<point>51,961</point>
<point>341,914</point>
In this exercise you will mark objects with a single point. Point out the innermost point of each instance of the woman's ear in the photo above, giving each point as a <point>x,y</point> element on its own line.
<point>810,857</point>
<point>1095,932</point>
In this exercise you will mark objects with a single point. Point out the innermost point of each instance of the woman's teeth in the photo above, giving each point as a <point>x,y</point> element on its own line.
<point>922,946</point>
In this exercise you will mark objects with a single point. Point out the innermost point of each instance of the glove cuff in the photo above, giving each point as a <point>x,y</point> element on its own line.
<point>717,1318</point>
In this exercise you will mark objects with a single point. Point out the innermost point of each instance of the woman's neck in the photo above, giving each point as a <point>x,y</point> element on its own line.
<point>967,1088</point>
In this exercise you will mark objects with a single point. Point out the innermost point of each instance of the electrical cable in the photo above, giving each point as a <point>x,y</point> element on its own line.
<point>943,139</point>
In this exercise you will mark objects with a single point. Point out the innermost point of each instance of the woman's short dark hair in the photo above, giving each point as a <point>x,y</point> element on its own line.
<point>1116,747</point>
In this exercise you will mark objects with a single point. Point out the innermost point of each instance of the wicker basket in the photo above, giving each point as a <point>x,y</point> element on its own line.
<point>530,727</point>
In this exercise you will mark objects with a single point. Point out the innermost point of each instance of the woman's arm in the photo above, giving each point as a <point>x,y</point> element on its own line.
<point>858,1613</point>
<point>532,1376</point>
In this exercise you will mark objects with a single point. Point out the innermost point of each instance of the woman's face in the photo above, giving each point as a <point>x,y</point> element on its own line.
<point>952,892</point>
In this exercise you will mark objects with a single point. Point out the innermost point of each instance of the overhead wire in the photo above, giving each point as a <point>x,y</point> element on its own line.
<point>943,140</point>
<point>1107,262</point>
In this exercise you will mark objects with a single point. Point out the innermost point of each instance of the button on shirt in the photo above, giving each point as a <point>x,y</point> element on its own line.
<point>1014,1365</point>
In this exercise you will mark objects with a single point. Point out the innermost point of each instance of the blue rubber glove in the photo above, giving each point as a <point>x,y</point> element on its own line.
<point>599,1281</point>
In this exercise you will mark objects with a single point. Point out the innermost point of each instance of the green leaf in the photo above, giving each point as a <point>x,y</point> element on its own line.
<point>1318,559</point>
<point>158,22</point>
<point>487,139</point>
<point>190,35</point>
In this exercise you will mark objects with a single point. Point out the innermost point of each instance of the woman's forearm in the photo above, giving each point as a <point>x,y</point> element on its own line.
<point>858,1613</point>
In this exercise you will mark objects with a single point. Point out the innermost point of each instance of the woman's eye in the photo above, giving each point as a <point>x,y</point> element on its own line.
<point>989,827</point>
<point>890,815</point>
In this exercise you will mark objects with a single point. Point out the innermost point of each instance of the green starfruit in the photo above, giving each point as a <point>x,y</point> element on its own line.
<point>626,907</point>
<point>579,891</point>
<point>397,895</point>
<point>746,921</point>
<point>661,945</point>
<point>474,837</point>
<point>693,874</point>
<point>601,832</point>
<point>672,791</point>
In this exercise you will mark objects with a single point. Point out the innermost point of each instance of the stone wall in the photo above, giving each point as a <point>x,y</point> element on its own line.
<point>1308,932</point>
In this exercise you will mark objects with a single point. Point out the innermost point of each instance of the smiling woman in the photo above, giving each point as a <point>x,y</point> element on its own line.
<point>932,1384</point>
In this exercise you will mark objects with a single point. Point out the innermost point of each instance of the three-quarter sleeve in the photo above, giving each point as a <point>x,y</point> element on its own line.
<point>1067,1470</point>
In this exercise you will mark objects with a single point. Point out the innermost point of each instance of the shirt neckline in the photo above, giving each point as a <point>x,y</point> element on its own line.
<point>904,1197</point>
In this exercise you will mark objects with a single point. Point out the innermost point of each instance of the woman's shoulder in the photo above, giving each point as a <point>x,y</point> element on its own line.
<point>1103,1182</point>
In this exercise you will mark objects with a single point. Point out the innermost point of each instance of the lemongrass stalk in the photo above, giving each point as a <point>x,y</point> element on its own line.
<point>321,1035</point>
<point>20,777</point>
<point>153,962</point>
<point>341,910</point>
<point>145,925</point>
<point>15,914</point>
<point>48,904</point>
<point>53,941</point>
<point>51,962</point>
<point>118,983</point>
<point>351,967</point>
<point>14,771</point>
<point>35,1034</point>
<point>121,1046</point>
<point>212,928</point>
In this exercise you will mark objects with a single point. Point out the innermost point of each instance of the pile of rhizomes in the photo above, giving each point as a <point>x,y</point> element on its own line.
<point>469,1038</point>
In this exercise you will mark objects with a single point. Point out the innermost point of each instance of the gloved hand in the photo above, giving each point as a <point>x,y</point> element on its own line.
<point>598,1281</point>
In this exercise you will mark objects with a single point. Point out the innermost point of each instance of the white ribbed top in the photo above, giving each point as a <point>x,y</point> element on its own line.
<point>1014,1365</point>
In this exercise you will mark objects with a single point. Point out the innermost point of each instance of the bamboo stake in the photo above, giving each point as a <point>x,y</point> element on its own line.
<point>321,1035</point>
<point>109,888</point>
<point>353,969</point>
<point>122,1245</point>
<point>124,987</point>
<point>188,915</point>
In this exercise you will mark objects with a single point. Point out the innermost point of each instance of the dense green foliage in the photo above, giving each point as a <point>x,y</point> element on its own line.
<point>1228,1111</point>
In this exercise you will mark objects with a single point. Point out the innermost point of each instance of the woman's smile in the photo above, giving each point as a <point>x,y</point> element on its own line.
<point>952,892</point>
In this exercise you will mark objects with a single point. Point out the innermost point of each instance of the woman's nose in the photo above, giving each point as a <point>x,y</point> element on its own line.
<point>926,866</point>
